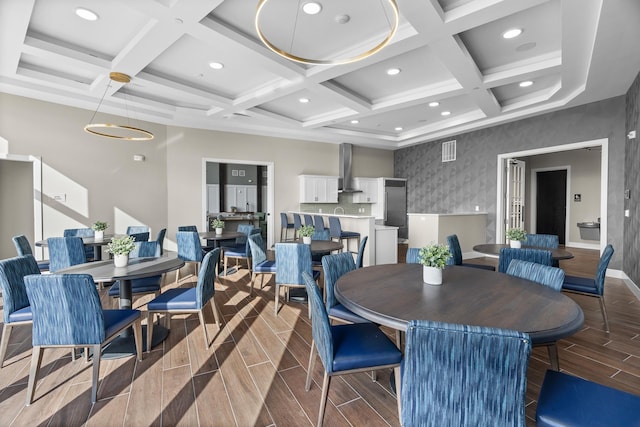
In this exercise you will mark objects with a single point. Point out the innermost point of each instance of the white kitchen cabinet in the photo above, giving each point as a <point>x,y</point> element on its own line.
<point>213,198</point>
<point>243,197</point>
<point>369,188</point>
<point>318,189</point>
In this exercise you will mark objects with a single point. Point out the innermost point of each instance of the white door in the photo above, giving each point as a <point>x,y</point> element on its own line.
<point>515,194</point>
<point>213,198</point>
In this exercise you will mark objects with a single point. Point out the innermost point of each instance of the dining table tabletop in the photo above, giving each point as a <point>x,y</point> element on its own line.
<point>320,246</point>
<point>494,249</point>
<point>394,294</point>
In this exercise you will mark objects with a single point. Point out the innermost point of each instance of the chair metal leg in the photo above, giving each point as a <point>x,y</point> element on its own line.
<point>149,329</point>
<point>253,280</point>
<point>553,356</point>
<point>312,363</point>
<point>137,337</point>
<point>214,308</point>
<point>323,401</point>
<point>277,292</point>
<point>396,373</point>
<point>6,333</point>
<point>604,314</point>
<point>96,372</point>
<point>36,360</point>
<point>204,328</point>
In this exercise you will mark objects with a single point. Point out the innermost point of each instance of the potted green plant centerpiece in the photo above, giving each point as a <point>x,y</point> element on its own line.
<point>98,229</point>
<point>121,247</point>
<point>516,236</point>
<point>433,258</point>
<point>306,231</point>
<point>218,225</point>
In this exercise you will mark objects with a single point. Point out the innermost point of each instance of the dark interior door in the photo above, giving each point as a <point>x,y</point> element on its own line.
<point>551,203</point>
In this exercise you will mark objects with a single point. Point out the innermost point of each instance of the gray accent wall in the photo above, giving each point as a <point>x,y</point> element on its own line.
<point>632,182</point>
<point>459,186</point>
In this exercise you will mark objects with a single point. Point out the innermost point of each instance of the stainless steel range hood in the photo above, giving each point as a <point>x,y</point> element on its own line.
<point>345,184</point>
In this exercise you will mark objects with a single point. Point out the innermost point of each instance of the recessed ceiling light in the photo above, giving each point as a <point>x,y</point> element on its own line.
<point>303,100</point>
<point>445,113</point>
<point>512,33</point>
<point>87,14</point>
<point>434,104</point>
<point>393,71</point>
<point>355,122</point>
<point>526,83</point>
<point>311,8</point>
<point>216,65</point>
<point>398,128</point>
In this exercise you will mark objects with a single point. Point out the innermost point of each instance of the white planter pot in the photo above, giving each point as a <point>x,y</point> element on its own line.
<point>517,244</point>
<point>219,230</point>
<point>432,275</point>
<point>306,240</point>
<point>98,235</point>
<point>121,260</point>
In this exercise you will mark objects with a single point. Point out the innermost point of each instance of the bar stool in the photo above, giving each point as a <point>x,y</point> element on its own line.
<point>336,232</point>
<point>297,223</point>
<point>285,226</point>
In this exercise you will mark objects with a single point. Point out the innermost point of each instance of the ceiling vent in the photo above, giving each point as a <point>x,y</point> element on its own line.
<point>449,151</point>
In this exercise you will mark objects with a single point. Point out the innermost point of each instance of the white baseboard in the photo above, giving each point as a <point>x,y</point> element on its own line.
<point>619,274</point>
<point>582,245</point>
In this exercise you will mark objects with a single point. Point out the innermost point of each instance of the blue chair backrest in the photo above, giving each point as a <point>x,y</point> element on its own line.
<point>12,274</point>
<point>284,220</point>
<point>189,247</point>
<point>320,235</point>
<point>160,239</point>
<point>308,219</point>
<point>22,245</point>
<point>602,268</point>
<point>66,309</point>
<point>146,250</point>
<point>205,288</point>
<point>320,326</point>
<point>134,229</point>
<point>65,252</point>
<point>188,228</point>
<point>140,237</point>
<point>552,277</point>
<point>456,251</point>
<point>413,256</point>
<point>256,246</point>
<point>533,255</point>
<point>318,222</point>
<point>296,221</point>
<point>485,370</point>
<point>245,229</point>
<point>81,232</point>
<point>542,240</point>
<point>334,226</point>
<point>335,266</point>
<point>360,258</point>
<point>292,259</point>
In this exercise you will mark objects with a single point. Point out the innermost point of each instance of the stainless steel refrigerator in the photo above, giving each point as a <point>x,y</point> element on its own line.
<point>395,205</point>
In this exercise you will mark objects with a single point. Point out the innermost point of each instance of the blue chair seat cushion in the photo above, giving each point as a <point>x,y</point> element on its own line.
<point>114,320</point>
<point>339,311</point>
<point>566,400</point>
<point>138,286</point>
<point>43,265</point>
<point>483,267</point>
<point>579,284</point>
<point>175,299</point>
<point>266,266</point>
<point>236,251</point>
<point>347,234</point>
<point>22,315</point>
<point>362,345</point>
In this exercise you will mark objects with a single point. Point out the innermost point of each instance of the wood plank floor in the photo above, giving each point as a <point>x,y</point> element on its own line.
<point>254,372</point>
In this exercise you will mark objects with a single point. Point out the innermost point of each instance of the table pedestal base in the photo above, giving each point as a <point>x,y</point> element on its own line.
<point>125,345</point>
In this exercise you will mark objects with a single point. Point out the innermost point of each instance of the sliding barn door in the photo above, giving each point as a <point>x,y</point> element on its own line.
<point>515,194</point>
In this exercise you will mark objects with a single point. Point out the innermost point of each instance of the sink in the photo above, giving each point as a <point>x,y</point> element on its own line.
<point>589,224</point>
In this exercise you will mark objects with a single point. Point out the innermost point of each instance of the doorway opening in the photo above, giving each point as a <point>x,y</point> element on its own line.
<point>550,191</point>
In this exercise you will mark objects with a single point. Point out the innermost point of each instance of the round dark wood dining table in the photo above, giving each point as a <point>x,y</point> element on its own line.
<point>494,249</point>
<point>217,238</point>
<point>87,241</point>
<point>393,294</point>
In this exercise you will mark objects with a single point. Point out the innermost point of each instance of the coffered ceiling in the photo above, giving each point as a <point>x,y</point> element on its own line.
<point>449,52</point>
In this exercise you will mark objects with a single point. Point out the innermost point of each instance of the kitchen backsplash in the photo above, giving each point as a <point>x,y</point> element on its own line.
<point>345,201</point>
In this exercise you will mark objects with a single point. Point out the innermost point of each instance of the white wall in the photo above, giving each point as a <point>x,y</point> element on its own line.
<point>16,199</point>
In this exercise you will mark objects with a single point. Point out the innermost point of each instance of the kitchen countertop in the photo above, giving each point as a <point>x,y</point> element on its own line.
<point>331,214</point>
<point>450,214</point>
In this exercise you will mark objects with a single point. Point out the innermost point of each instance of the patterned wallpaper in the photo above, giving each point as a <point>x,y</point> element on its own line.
<point>459,186</point>
<point>632,182</point>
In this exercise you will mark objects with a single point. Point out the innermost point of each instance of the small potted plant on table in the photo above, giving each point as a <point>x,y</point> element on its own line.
<point>306,231</point>
<point>218,225</point>
<point>98,229</point>
<point>516,236</point>
<point>121,247</point>
<point>433,258</point>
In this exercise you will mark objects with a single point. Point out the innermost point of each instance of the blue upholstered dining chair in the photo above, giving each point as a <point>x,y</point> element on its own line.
<point>67,313</point>
<point>550,241</point>
<point>539,256</point>
<point>413,256</point>
<point>566,400</point>
<point>189,249</point>
<point>194,229</point>
<point>297,223</point>
<point>316,258</point>
<point>456,255</point>
<point>240,250</point>
<point>308,219</point>
<point>140,237</point>
<point>23,247</point>
<point>65,252</point>
<point>360,258</point>
<point>145,285</point>
<point>345,349</point>
<point>160,239</point>
<point>188,300</point>
<point>551,277</point>
<point>592,287</point>
<point>82,232</point>
<point>318,222</point>
<point>133,229</point>
<point>285,226</point>
<point>292,259</point>
<point>16,308</point>
<point>338,233</point>
<point>335,266</point>
<point>259,262</point>
<point>484,369</point>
